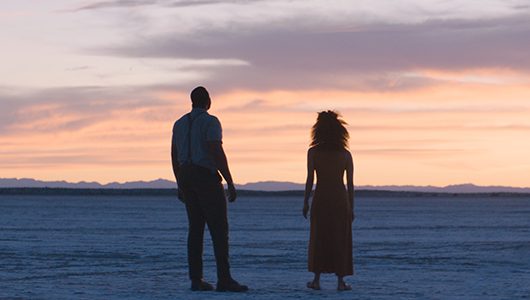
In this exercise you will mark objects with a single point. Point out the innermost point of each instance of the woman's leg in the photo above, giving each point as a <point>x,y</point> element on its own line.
<point>315,284</point>
<point>341,285</point>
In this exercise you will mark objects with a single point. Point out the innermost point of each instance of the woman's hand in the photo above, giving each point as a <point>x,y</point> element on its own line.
<point>232,194</point>
<point>180,195</point>
<point>305,210</point>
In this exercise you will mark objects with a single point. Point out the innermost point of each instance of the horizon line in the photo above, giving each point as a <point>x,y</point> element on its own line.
<point>265,181</point>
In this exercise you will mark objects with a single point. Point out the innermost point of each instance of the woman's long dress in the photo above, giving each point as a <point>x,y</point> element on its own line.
<point>330,241</point>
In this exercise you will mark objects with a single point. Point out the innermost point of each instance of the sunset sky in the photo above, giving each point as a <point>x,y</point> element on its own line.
<point>435,92</point>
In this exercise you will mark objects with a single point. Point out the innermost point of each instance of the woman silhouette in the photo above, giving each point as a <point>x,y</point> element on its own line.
<point>332,213</point>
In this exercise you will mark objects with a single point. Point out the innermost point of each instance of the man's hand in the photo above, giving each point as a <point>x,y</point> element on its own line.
<point>305,210</point>
<point>232,195</point>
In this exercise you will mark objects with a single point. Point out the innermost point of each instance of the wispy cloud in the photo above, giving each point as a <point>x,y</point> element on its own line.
<point>375,56</point>
<point>68,109</point>
<point>116,4</point>
<point>353,105</point>
<point>166,3</point>
<point>78,68</point>
<point>409,151</point>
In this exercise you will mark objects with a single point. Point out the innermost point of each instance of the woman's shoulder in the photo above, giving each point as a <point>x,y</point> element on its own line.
<point>312,151</point>
<point>345,153</point>
<point>348,154</point>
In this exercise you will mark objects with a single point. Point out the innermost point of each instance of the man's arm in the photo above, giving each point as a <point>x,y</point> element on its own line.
<point>219,156</point>
<point>176,165</point>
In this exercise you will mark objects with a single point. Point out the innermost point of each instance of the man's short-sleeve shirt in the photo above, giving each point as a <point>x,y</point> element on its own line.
<point>204,128</point>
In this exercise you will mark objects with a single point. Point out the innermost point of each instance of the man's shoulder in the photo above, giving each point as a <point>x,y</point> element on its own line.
<point>180,121</point>
<point>212,118</point>
<point>204,118</point>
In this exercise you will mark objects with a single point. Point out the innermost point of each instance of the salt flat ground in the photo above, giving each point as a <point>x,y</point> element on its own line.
<point>94,247</point>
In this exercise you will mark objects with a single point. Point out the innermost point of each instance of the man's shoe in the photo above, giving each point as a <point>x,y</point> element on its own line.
<point>201,285</point>
<point>231,286</point>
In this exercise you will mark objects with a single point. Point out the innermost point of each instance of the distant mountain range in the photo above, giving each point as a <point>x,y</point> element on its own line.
<point>255,186</point>
<point>32,183</point>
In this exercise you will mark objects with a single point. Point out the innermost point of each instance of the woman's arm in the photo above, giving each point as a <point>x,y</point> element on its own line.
<point>349,183</point>
<point>309,180</point>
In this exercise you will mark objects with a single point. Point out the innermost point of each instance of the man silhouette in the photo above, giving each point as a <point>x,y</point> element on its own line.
<point>197,157</point>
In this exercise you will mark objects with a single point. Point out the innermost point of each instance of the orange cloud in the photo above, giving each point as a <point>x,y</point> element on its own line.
<point>436,135</point>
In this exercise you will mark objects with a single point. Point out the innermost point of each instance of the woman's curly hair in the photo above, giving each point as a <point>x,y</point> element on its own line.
<point>329,132</point>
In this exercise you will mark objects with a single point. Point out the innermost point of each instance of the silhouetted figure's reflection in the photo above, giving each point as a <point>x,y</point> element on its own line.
<point>197,156</point>
<point>332,214</point>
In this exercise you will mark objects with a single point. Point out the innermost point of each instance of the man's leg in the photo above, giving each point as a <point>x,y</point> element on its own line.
<point>213,202</point>
<point>216,218</point>
<point>196,222</point>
